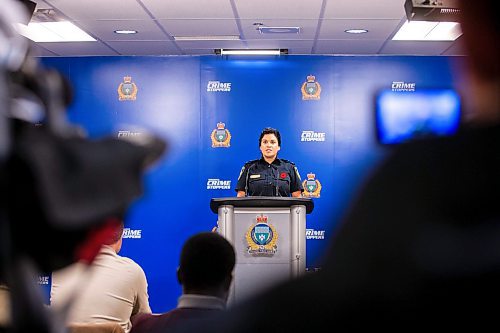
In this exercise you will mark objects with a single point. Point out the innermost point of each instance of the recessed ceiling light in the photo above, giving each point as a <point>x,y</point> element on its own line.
<point>45,32</point>
<point>125,32</point>
<point>428,31</point>
<point>356,31</point>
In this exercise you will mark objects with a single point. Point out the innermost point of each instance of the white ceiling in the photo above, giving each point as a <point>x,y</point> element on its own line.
<point>322,24</point>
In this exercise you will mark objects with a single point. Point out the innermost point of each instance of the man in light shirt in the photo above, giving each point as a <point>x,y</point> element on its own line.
<point>112,289</point>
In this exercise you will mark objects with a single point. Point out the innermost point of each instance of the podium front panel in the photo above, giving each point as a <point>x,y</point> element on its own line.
<point>279,224</point>
<point>269,243</point>
<point>251,279</point>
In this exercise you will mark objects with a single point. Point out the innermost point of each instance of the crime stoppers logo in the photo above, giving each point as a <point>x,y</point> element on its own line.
<point>126,134</point>
<point>127,90</point>
<point>315,234</point>
<point>311,89</point>
<point>43,280</point>
<point>132,233</point>
<point>218,184</point>
<point>262,238</point>
<point>220,136</point>
<point>403,86</point>
<point>312,186</point>
<point>217,86</point>
<point>308,136</point>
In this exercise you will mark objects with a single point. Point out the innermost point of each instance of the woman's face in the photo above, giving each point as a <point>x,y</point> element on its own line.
<point>269,146</point>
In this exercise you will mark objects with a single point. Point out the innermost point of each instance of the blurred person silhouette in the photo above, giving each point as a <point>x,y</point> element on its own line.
<point>418,248</point>
<point>205,273</point>
<point>112,289</point>
<point>61,188</point>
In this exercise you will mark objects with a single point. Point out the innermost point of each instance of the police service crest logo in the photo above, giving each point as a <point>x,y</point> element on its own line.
<point>127,90</point>
<point>220,136</point>
<point>312,187</point>
<point>262,238</point>
<point>311,89</point>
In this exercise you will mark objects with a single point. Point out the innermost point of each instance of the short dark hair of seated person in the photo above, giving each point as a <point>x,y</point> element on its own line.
<point>205,273</point>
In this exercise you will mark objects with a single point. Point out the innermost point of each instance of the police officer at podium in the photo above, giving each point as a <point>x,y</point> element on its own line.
<point>269,176</point>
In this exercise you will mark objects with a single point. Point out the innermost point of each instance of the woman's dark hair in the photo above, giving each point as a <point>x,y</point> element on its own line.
<point>270,130</point>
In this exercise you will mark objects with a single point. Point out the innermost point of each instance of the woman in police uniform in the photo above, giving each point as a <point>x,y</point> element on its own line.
<point>269,175</point>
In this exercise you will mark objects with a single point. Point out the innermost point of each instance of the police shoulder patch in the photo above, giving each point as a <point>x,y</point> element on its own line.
<point>297,172</point>
<point>241,172</point>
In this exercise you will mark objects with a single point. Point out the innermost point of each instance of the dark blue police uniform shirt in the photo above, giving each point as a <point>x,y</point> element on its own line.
<point>278,179</point>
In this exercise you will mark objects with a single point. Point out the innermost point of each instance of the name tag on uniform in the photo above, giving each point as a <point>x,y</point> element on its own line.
<point>254,176</point>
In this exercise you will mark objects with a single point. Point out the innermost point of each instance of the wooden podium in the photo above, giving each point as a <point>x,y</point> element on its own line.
<point>269,237</point>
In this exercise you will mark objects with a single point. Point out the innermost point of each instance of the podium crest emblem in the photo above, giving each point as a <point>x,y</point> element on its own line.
<point>311,89</point>
<point>220,136</point>
<point>127,90</point>
<point>312,186</point>
<point>262,237</point>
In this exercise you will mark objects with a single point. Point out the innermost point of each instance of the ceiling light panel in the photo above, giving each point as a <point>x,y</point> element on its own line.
<point>47,32</point>
<point>428,31</point>
<point>445,31</point>
<point>251,52</point>
<point>194,38</point>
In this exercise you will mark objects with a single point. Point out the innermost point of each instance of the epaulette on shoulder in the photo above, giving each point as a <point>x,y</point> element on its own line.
<point>251,162</point>
<point>287,161</point>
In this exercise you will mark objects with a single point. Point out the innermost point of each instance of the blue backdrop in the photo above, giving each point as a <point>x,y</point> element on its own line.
<point>183,99</point>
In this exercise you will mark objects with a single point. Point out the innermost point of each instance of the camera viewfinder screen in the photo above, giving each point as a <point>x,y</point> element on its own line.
<point>406,116</point>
